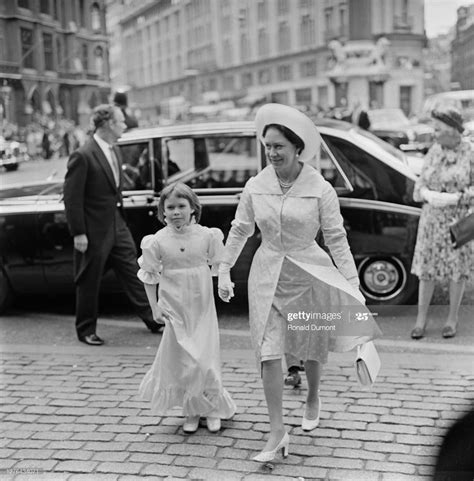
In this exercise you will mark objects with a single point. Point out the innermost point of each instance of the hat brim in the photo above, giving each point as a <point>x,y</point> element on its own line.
<point>294,120</point>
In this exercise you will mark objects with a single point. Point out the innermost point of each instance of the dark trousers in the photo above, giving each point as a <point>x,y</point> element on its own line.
<point>117,250</point>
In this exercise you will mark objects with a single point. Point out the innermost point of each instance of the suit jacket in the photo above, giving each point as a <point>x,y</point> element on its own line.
<point>91,196</point>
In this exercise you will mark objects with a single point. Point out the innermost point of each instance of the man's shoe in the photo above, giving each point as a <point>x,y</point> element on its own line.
<point>92,340</point>
<point>155,327</point>
<point>293,379</point>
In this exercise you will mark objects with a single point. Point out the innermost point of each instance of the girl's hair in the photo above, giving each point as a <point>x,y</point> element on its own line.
<point>184,192</point>
<point>288,134</point>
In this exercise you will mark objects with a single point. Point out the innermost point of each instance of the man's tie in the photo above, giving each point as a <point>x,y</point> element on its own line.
<point>115,166</point>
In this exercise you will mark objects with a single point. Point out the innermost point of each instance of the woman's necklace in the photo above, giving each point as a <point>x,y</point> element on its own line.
<point>288,183</point>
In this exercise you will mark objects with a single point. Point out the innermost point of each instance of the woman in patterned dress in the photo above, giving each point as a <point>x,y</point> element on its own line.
<point>291,274</point>
<point>446,188</point>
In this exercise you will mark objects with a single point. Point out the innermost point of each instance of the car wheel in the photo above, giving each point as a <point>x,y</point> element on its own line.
<point>386,280</point>
<point>11,167</point>
<point>6,293</point>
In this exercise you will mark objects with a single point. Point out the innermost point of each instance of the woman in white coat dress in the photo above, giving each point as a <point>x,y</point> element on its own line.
<point>290,201</point>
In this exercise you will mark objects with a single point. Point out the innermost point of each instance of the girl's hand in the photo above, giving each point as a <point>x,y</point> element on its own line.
<point>225,287</point>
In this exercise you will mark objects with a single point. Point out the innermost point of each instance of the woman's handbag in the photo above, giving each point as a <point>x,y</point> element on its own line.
<point>367,364</point>
<point>462,231</point>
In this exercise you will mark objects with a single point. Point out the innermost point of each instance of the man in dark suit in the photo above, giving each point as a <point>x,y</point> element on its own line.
<point>94,211</point>
<point>121,101</point>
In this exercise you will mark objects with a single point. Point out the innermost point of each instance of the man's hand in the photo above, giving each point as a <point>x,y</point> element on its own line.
<point>81,243</point>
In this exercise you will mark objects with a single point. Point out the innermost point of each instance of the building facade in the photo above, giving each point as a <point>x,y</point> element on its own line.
<point>462,49</point>
<point>298,52</point>
<point>53,59</point>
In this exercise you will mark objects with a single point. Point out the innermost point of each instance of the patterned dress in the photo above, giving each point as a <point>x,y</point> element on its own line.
<point>291,273</point>
<point>452,171</point>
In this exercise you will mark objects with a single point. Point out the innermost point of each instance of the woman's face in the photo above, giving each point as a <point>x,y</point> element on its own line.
<point>178,211</point>
<point>280,152</point>
<point>445,135</point>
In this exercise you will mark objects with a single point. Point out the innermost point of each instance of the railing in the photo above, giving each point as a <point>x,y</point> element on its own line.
<point>9,67</point>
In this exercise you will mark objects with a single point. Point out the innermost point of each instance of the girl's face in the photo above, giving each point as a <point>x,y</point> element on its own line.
<point>280,152</point>
<point>178,211</point>
<point>446,135</point>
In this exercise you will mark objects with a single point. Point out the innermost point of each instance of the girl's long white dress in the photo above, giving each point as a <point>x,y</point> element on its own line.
<point>186,372</point>
<point>292,274</point>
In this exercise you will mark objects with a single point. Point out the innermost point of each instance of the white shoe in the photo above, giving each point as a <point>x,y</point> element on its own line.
<point>191,424</point>
<point>213,424</point>
<point>310,424</point>
<point>266,456</point>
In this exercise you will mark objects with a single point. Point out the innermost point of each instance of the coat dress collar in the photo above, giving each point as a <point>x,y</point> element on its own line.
<point>309,183</point>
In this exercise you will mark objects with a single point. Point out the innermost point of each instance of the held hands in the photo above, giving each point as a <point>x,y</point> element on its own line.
<point>439,199</point>
<point>81,243</point>
<point>159,314</point>
<point>225,287</point>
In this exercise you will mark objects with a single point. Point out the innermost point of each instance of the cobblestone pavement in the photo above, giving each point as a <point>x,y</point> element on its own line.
<point>72,414</point>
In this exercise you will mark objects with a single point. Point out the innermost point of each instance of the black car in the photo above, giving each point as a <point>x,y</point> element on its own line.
<point>216,159</point>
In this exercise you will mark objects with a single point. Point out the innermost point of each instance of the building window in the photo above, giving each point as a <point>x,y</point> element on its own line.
<point>308,68</point>
<point>99,60</point>
<point>307,31</point>
<point>82,14</point>
<point>284,73</point>
<point>24,4</point>
<point>95,17</point>
<point>244,48</point>
<point>56,9</point>
<point>48,51</point>
<point>27,48</point>
<point>262,10</point>
<point>264,77</point>
<point>44,7</point>
<point>303,96</point>
<point>280,97</point>
<point>304,3</point>
<point>262,42</point>
<point>227,52</point>
<point>85,57</point>
<point>282,7</point>
<point>246,80</point>
<point>228,82</point>
<point>284,37</point>
<point>406,99</point>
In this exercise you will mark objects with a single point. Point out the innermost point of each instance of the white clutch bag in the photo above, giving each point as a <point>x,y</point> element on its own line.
<point>367,364</point>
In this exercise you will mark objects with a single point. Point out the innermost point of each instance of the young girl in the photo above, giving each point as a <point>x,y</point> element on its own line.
<point>186,371</point>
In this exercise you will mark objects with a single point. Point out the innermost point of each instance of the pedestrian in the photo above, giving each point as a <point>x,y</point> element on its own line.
<point>46,144</point>
<point>121,101</point>
<point>290,201</point>
<point>95,214</point>
<point>186,371</point>
<point>446,187</point>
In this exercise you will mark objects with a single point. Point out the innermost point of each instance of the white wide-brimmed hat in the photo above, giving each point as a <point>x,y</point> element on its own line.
<point>294,120</point>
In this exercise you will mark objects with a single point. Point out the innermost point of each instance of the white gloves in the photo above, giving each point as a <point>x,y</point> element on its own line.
<point>439,199</point>
<point>225,287</point>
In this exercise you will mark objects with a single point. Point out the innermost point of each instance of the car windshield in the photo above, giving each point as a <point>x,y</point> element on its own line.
<point>387,118</point>
<point>384,145</point>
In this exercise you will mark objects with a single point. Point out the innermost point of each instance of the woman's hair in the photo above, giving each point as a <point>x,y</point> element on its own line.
<point>288,134</point>
<point>184,192</point>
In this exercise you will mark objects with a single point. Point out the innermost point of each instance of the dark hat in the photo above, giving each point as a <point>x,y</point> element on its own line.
<point>120,98</point>
<point>450,116</point>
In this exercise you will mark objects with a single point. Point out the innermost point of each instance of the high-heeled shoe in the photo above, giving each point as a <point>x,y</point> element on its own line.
<point>310,424</point>
<point>266,456</point>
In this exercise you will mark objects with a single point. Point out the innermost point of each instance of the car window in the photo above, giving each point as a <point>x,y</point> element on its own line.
<point>324,162</point>
<point>213,161</point>
<point>370,178</point>
<point>136,166</point>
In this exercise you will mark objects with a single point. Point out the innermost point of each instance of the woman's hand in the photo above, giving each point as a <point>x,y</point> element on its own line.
<point>440,199</point>
<point>225,287</point>
<point>159,314</point>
